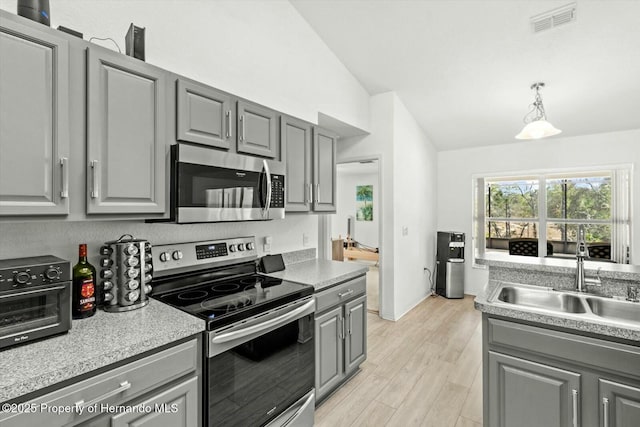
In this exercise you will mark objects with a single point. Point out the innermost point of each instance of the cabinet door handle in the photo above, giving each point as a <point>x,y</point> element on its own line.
<point>345,294</point>
<point>229,124</point>
<point>317,193</point>
<point>340,328</point>
<point>310,193</point>
<point>94,174</point>
<point>344,326</point>
<point>125,385</point>
<point>350,324</point>
<point>605,411</point>
<point>64,168</point>
<point>574,395</point>
<point>242,127</point>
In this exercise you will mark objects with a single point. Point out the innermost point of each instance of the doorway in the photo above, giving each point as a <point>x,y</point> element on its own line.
<point>357,222</point>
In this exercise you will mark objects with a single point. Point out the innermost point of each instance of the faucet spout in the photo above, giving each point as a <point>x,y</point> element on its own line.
<point>582,252</point>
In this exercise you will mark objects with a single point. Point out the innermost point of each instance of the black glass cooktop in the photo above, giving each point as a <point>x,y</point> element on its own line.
<point>222,302</point>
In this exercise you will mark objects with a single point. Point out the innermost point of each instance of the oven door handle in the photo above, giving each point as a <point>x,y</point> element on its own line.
<point>36,291</point>
<point>266,326</point>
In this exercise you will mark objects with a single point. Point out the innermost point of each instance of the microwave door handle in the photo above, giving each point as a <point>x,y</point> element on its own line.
<point>265,212</point>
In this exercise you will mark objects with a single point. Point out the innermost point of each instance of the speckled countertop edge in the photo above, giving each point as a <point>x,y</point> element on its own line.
<point>563,266</point>
<point>566,321</point>
<point>93,343</point>
<point>321,274</point>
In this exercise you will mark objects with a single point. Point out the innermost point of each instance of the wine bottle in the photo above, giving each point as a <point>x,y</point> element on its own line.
<point>84,286</point>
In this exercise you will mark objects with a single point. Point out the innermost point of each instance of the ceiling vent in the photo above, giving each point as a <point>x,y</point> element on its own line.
<point>553,18</point>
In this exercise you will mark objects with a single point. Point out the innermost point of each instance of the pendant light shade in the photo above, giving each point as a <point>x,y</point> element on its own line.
<point>537,125</point>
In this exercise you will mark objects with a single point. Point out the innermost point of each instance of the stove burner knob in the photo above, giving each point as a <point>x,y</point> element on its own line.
<point>21,278</point>
<point>240,247</point>
<point>249,246</point>
<point>52,273</point>
<point>165,256</point>
<point>177,255</point>
<point>232,248</point>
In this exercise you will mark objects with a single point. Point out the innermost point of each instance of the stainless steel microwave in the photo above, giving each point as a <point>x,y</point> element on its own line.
<point>208,185</point>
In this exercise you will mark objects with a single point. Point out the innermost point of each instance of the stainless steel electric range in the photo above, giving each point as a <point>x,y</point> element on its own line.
<point>259,362</point>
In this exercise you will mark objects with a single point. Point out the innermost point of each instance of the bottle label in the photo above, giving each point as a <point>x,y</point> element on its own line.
<point>88,294</point>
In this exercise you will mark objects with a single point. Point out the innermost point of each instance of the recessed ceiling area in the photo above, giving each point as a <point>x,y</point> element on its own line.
<point>464,68</point>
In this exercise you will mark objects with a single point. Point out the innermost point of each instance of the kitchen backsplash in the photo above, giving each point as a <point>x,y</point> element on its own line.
<point>61,238</point>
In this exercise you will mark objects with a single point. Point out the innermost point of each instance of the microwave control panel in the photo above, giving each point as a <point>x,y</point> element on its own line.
<point>277,191</point>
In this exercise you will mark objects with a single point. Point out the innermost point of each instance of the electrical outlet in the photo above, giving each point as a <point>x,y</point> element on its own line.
<point>405,230</point>
<point>268,240</point>
<point>266,248</point>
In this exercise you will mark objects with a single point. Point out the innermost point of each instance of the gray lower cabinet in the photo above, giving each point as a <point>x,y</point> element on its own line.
<point>340,334</point>
<point>162,389</point>
<point>257,130</point>
<point>538,376</point>
<point>175,407</point>
<point>34,121</point>
<point>324,170</point>
<point>295,137</point>
<point>528,394</point>
<point>204,115</point>
<point>619,403</point>
<point>126,138</point>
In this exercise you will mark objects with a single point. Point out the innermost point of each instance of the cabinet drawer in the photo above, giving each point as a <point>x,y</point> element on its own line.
<point>610,356</point>
<point>112,387</point>
<point>340,293</point>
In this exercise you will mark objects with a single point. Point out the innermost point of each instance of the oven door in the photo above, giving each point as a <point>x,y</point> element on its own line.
<point>34,312</point>
<point>262,370</point>
<point>213,186</point>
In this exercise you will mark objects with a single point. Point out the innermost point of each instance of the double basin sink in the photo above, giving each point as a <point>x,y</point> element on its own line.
<point>580,305</point>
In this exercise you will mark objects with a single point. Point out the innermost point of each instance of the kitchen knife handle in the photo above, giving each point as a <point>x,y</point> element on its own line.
<point>94,174</point>
<point>64,168</point>
<point>605,412</point>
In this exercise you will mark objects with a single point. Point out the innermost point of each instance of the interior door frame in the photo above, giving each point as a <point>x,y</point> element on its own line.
<point>324,224</point>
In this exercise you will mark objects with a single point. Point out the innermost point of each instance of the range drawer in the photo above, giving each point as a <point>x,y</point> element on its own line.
<point>113,387</point>
<point>576,349</point>
<point>340,293</point>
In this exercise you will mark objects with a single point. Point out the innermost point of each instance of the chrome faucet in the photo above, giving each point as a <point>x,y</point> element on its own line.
<point>582,253</point>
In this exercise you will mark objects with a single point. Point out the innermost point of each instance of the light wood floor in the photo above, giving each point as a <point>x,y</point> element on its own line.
<point>423,370</point>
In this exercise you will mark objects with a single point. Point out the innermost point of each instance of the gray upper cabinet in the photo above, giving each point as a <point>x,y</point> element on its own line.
<point>620,404</point>
<point>205,115</point>
<point>355,348</point>
<point>324,170</point>
<point>257,130</point>
<point>528,394</point>
<point>126,144</point>
<point>34,121</point>
<point>296,142</point>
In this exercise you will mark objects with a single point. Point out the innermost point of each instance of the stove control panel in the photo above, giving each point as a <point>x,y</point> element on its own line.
<point>176,257</point>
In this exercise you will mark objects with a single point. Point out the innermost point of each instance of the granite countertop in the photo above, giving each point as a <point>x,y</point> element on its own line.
<point>320,273</point>
<point>484,302</point>
<point>91,344</point>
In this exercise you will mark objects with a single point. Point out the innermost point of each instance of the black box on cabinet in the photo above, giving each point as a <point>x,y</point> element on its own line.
<point>135,42</point>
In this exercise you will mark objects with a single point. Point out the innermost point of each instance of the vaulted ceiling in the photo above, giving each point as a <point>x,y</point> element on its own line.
<point>464,68</point>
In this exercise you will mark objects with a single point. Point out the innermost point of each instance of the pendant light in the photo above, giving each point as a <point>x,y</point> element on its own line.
<point>537,125</point>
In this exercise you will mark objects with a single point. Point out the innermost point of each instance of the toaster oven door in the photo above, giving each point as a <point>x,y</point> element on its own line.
<point>34,312</point>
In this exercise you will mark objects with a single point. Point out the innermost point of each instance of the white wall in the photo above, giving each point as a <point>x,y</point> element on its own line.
<point>455,170</point>
<point>366,232</point>
<point>263,51</point>
<point>408,165</point>
<point>260,50</point>
<point>414,200</point>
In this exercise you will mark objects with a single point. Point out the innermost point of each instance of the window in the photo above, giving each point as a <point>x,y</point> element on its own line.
<point>539,214</point>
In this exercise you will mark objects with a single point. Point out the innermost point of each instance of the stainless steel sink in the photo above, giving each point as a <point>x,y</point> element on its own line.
<point>615,309</point>
<point>543,299</point>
